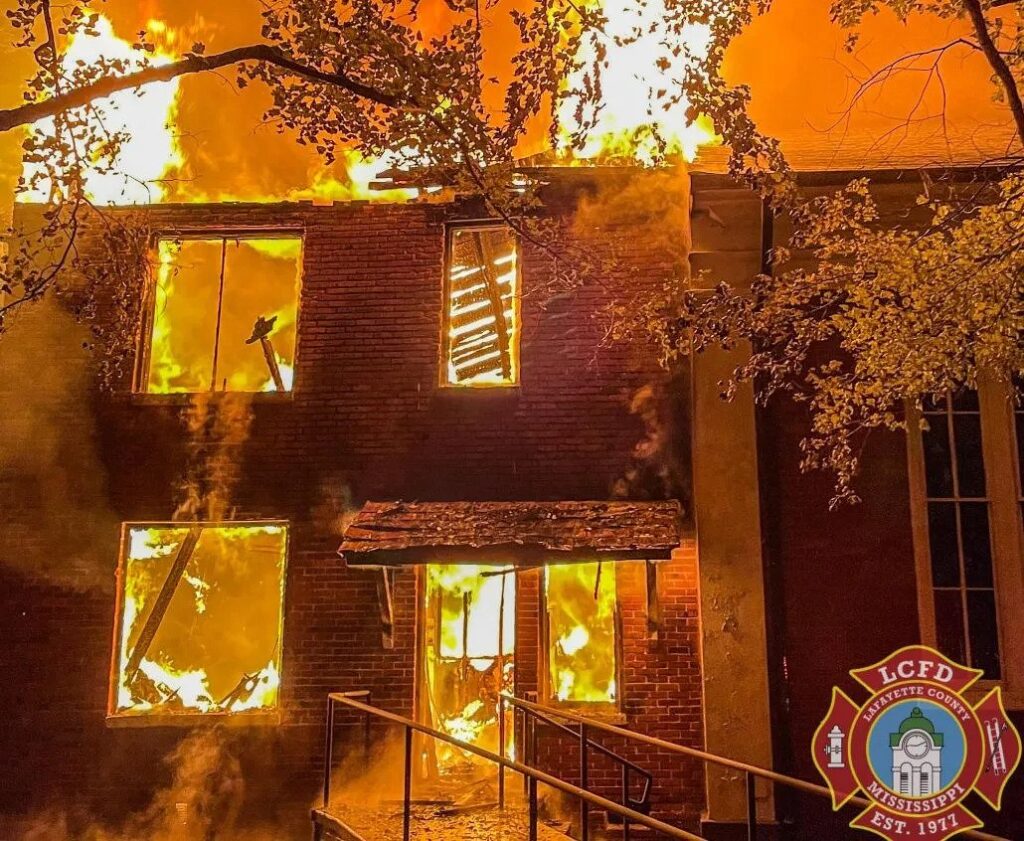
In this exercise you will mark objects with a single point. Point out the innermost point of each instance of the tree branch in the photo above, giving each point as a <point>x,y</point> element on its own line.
<point>32,111</point>
<point>999,65</point>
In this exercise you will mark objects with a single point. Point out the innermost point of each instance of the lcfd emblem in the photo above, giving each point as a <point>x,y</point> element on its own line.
<point>917,747</point>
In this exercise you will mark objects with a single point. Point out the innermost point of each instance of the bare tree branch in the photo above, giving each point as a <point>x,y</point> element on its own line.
<point>32,111</point>
<point>999,65</point>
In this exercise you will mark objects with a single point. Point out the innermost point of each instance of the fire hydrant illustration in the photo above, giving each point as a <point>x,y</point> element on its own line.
<point>835,748</point>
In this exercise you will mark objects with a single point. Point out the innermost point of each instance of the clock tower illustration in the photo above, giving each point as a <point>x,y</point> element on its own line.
<point>916,756</point>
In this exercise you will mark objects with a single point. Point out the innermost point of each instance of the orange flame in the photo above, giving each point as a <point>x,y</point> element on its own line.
<point>470,654</point>
<point>638,67</point>
<point>149,151</point>
<point>583,632</point>
<point>201,660</point>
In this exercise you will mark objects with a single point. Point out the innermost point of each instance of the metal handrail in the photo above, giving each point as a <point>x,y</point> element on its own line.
<point>533,775</point>
<point>750,771</point>
<point>602,749</point>
<point>643,804</point>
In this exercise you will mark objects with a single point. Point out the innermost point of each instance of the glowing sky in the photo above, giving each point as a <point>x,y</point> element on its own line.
<point>792,59</point>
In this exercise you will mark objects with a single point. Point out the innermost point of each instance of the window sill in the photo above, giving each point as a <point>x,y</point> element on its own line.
<point>488,388</point>
<point>183,398</point>
<point>599,712</point>
<point>268,718</point>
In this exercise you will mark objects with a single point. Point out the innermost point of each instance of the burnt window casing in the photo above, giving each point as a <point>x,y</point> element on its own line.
<point>481,324</point>
<point>582,636</point>
<point>467,657</point>
<point>199,619</point>
<point>966,513</point>
<point>222,314</point>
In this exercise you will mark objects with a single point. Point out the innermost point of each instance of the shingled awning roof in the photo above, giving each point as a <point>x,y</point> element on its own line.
<point>524,533</point>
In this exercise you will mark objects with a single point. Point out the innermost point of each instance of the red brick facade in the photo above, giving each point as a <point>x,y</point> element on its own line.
<point>366,420</point>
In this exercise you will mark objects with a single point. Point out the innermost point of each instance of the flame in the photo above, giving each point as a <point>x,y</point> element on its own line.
<point>151,165</point>
<point>470,656</point>
<point>582,628</point>
<point>261,279</point>
<point>203,658</point>
<point>638,67</point>
<point>149,151</point>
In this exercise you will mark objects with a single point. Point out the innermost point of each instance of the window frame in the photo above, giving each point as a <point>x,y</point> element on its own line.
<point>140,373</point>
<point>260,717</point>
<point>609,711</point>
<point>515,344</point>
<point>999,454</point>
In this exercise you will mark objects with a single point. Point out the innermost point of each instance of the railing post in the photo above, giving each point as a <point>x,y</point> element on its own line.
<point>525,741</point>
<point>751,807</point>
<point>584,780</point>
<point>625,802</point>
<point>407,800</point>
<point>532,787</point>
<point>328,751</point>
<point>366,730</point>
<point>501,751</point>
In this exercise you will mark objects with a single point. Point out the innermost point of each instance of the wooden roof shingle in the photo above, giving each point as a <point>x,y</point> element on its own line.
<point>524,533</point>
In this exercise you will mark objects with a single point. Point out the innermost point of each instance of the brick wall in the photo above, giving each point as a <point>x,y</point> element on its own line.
<point>366,420</point>
<point>660,692</point>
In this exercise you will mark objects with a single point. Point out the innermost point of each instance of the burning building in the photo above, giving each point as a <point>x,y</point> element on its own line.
<point>398,355</point>
<point>354,450</point>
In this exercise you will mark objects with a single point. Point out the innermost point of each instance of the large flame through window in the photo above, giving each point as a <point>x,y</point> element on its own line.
<point>469,653</point>
<point>582,633</point>
<point>224,312</point>
<point>200,619</point>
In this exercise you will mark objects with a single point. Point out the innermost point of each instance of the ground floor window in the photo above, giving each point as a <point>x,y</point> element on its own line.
<point>582,634</point>
<point>199,618</point>
<point>468,645</point>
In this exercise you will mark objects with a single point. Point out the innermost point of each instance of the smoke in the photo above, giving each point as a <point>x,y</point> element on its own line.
<point>218,427</point>
<point>660,463</point>
<point>642,224</point>
<point>335,507</point>
<point>203,802</point>
<point>58,526</point>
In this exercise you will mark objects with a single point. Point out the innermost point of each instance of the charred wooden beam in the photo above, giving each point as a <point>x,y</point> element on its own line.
<point>653,601</point>
<point>261,331</point>
<point>386,602</point>
<point>163,601</point>
<point>485,258</point>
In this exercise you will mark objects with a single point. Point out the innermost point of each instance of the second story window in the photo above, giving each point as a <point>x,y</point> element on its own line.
<point>223,315</point>
<point>481,346</point>
<point>967,505</point>
<point>959,533</point>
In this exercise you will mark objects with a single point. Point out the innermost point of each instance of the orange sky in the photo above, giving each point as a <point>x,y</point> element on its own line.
<point>792,58</point>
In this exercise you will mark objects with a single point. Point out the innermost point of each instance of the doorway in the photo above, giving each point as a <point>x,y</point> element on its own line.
<point>468,658</point>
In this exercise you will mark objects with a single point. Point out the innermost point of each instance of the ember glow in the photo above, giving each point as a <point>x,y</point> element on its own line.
<point>483,312</point>
<point>631,119</point>
<point>469,654</point>
<point>581,604</point>
<point>209,297</point>
<point>200,619</point>
<point>143,120</point>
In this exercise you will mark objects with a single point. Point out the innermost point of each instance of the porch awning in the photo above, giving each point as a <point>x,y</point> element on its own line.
<point>519,533</point>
